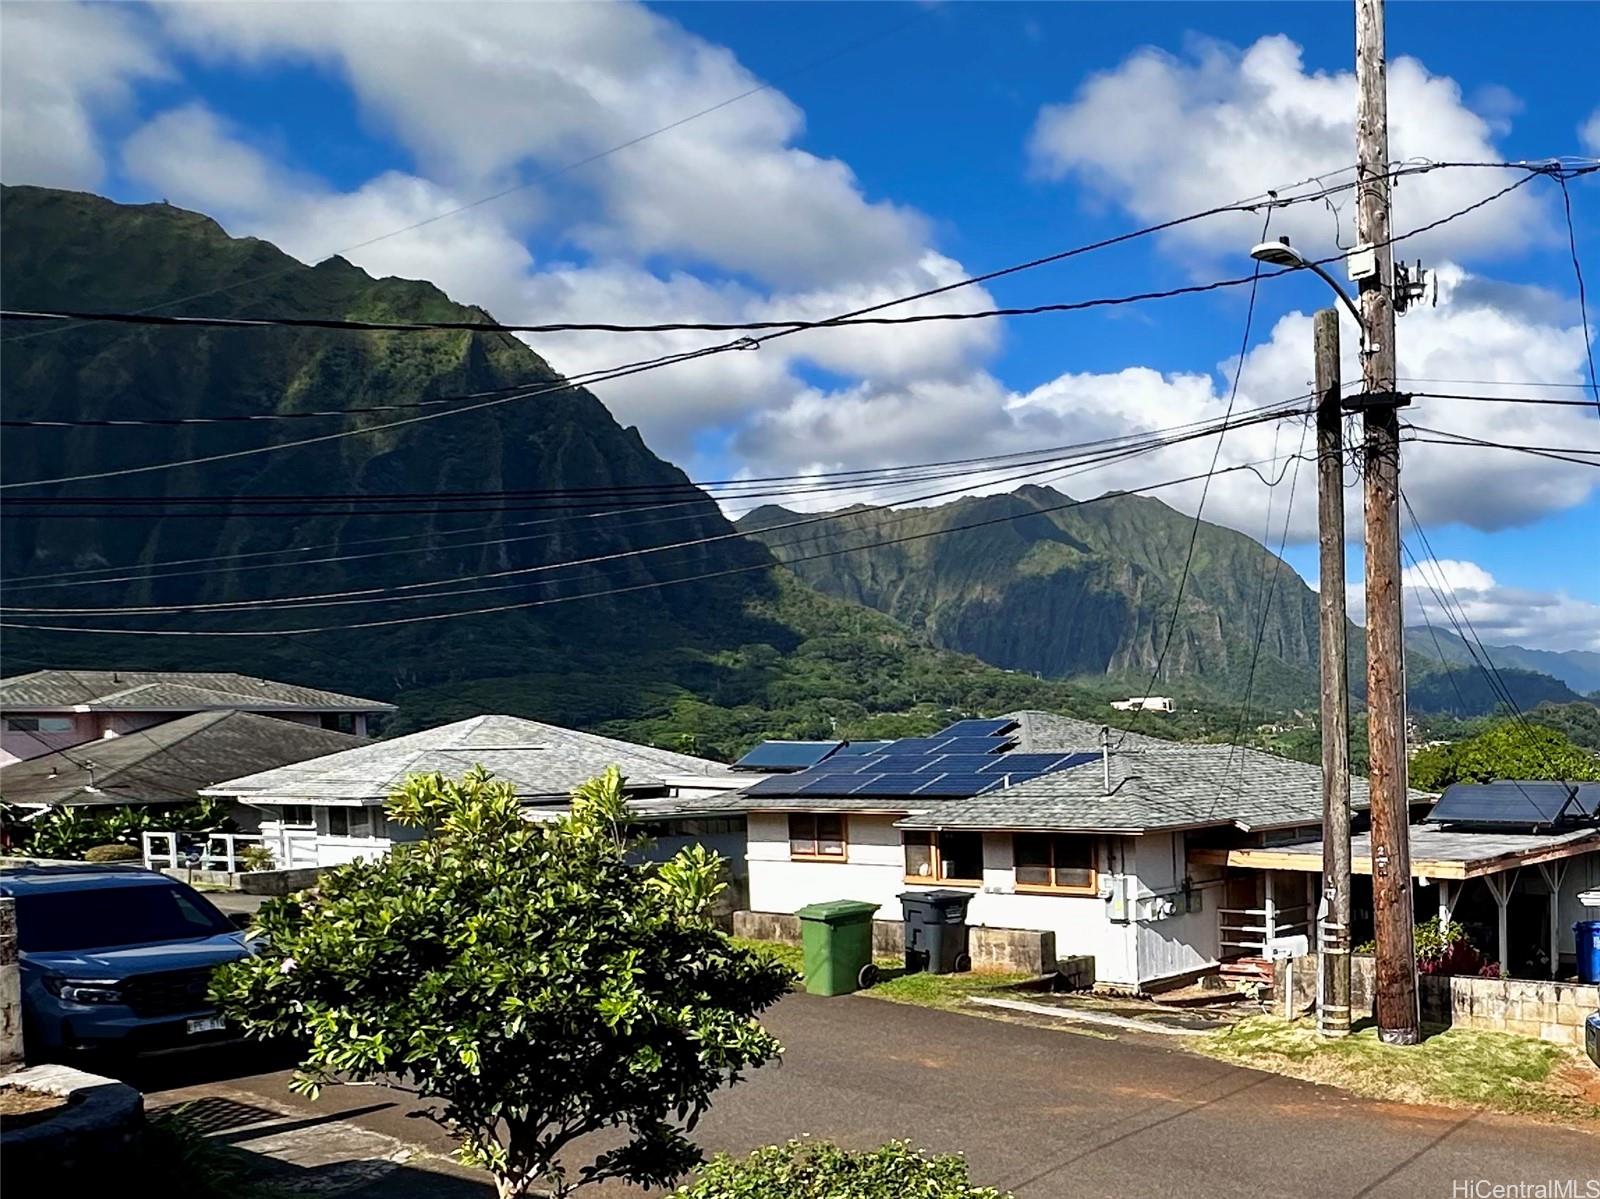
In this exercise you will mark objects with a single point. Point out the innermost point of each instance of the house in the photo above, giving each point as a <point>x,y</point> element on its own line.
<point>168,764</point>
<point>52,710</point>
<point>1145,703</point>
<point>328,811</point>
<point>1047,829</point>
<point>1508,861</point>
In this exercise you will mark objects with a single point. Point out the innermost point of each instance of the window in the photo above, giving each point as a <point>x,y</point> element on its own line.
<point>356,822</point>
<point>39,724</point>
<point>107,917</point>
<point>1052,862</point>
<point>944,857</point>
<point>297,814</point>
<point>816,835</point>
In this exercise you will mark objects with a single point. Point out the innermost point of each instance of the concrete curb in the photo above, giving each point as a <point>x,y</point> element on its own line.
<point>92,1138</point>
<point>1103,1020</point>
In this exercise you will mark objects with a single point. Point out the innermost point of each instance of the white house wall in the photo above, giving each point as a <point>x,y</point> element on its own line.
<point>875,873</point>
<point>1170,939</point>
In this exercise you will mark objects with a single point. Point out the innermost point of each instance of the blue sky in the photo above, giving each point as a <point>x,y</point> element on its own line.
<point>933,142</point>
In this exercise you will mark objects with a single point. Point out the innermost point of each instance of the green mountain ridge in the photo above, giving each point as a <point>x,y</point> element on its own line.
<point>1085,589</point>
<point>722,661</point>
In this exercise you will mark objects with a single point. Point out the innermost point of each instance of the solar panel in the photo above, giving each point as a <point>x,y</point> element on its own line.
<point>890,784</point>
<point>1035,763</point>
<point>857,748</point>
<point>1502,803</point>
<point>786,755</point>
<point>784,784</point>
<point>973,745</point>
<point>958,784</point>
<point>978,728</point>
<point>898,763</point>
<point>916,745</point>
<point>830,784</point>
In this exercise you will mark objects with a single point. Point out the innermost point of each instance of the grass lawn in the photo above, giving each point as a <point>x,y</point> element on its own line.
<point>1455,1067</point>
<point>927,990</point>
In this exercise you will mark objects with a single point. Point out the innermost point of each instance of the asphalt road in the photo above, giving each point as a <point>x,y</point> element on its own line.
<point>1045,1112</point>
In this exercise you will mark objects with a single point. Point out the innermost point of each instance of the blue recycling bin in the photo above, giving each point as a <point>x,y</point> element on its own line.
<point>1586,937</point>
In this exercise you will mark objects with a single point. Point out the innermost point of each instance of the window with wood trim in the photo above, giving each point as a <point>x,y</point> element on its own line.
<point>945,857</point>
<point>817,835</point>
<point>1054,862</point>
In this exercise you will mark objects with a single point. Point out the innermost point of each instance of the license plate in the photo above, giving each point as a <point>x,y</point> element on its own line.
<point>207,1024</point>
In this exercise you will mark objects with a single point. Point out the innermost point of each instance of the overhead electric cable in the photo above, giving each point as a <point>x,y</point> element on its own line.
<point>624,590</point>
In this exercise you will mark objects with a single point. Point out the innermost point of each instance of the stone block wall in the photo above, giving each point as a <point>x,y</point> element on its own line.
<point>1020,950</point>
<point>1551,1011</point>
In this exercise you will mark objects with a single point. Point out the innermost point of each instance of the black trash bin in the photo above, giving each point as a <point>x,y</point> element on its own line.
<point>936,931</point>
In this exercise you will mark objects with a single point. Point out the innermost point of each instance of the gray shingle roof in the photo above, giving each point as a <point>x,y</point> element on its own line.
<point>169,690</point>
<point>1174,786</point>
<point>1045,731</point>
<point>168,762</point>
<point>538,759</point>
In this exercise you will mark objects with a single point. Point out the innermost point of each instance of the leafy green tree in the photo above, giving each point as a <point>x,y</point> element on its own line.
<point>1506,750</point>
<point>530,976</point>
<point>822,1170</point>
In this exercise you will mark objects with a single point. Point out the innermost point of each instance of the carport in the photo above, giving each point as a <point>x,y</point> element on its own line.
<point>1450,859</point>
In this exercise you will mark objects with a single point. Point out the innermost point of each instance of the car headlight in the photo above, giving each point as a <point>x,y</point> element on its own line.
<point>85,990</point>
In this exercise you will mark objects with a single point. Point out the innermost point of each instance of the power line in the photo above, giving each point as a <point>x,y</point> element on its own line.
<point>1205,489</point>
<point>1497,683</point>
<point>629,589</point>
<point>746,343</point>
<point>1484,399</point>
<point>1583,303</point>
<point>542,176</point>
<point>1556,453</point>
<point>418,590</point>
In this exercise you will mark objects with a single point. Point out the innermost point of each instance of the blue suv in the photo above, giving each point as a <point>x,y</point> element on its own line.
<point>116,958</point>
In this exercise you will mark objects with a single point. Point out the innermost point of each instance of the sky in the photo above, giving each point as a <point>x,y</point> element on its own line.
<point>858,152</point>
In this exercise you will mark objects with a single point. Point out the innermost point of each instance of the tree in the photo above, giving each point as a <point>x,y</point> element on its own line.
<point>1506,750</point>
<point>531,976</point>
<point>822,1170</point>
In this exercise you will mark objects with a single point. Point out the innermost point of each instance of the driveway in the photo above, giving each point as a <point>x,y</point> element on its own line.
<point>1044,1112</point>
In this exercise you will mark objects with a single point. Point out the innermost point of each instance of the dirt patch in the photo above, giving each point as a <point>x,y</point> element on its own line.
<point>21,1106</point>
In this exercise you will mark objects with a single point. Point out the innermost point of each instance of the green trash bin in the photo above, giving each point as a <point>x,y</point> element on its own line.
<point>837,939</point>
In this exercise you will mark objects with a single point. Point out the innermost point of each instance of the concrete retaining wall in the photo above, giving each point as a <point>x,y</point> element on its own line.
<point>10,989</point>
<point>1023,950</point>
<point>1551,1011</point>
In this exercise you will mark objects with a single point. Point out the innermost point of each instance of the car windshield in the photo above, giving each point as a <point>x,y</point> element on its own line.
<point>106,917</point>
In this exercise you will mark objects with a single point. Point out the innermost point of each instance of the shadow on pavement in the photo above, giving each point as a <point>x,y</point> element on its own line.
<point>195,1067</point>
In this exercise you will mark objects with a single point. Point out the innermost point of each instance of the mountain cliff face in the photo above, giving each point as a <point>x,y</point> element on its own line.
<point>1080,591</point>
<point>1069,592</point>
<point>726,659</point>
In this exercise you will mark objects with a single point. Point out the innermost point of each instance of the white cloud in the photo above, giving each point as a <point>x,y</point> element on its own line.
<point>1498,614</point>
<point>1589,132</point>
<point>61,67</point>
<point>486,94</point>
<point>1164,136</point>
<point>1480,330</point>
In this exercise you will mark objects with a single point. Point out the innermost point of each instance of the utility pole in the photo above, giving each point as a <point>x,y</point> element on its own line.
<point>1395,984</point>
<point>1333,928</point>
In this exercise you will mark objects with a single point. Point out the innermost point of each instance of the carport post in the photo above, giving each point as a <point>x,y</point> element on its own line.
<point>1445,900</point>
<point>1500,886</point>
<point>1554,874</point>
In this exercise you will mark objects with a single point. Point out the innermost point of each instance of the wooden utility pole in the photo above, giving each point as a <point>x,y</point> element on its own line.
<point>1333,935</point>
<point>1395,982</point>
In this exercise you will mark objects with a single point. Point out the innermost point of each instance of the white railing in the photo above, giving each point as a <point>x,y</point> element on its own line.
<point>223,851</point>
<point>1248,930</point>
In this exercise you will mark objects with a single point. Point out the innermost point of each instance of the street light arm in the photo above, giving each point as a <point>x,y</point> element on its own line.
<point>1343,295</point>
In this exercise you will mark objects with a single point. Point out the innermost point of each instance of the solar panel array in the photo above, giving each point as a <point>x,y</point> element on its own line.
<point>1516,804</point>
<point>786,755</point>
<point>968,758</point>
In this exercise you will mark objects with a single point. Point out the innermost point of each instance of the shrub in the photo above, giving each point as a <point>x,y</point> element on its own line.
<point>1444,949</point>
<point>115,852</point>
<point>822,1170</point>
<point>257,857</point>
<point>533,978</point>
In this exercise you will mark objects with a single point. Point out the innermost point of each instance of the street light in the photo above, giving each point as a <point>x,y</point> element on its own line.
<point>1281,253</point>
